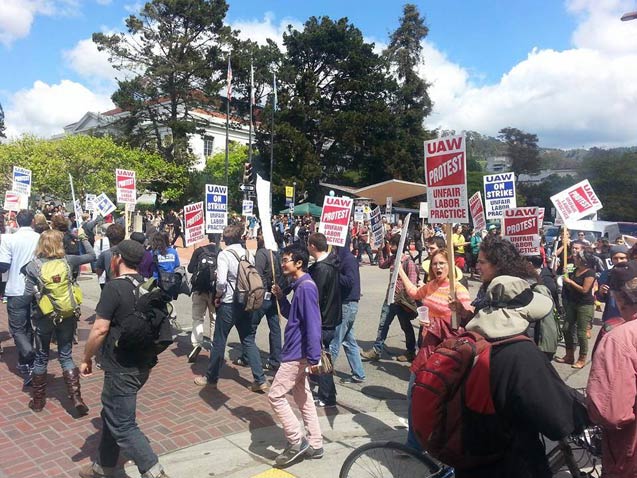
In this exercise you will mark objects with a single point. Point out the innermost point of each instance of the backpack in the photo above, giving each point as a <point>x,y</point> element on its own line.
<point>248,290</point>
<point>147,327</point>
<point>57,294</point>
<point>171,283</point>
<point>451,393</point>
<point>204,279</point>
<point>546,332</point>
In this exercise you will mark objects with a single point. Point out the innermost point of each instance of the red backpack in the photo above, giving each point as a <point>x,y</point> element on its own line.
<point>452,410</point>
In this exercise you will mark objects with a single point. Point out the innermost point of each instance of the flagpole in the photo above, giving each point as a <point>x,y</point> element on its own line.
<point>274,98</point>
<point>251,100</point>
<point>228,96</point>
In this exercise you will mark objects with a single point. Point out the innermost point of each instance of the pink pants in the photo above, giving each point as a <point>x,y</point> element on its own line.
<point>291,376</point>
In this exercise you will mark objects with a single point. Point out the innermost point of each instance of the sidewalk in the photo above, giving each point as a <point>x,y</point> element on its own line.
<point>173,412</point>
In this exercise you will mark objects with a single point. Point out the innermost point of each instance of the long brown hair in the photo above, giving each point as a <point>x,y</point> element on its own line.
<point>50,245</point>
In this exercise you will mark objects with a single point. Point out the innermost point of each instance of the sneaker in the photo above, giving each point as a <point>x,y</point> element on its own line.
<point>194,353</point>
<point>89,471</point>
<point>352,379</point>
<point>202,381</point>
<point>321,404</point>
<point>259,387</point>
<point>240,362</point>
<point>292,452</point>
<point>408,357</point>
<point>314,453</point>
<point>370,354</point>
<point>270,367</point>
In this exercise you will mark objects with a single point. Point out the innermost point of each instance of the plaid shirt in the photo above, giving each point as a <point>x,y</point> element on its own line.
<point>409,267</point>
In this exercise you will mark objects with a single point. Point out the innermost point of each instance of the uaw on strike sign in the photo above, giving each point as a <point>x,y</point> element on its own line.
<point>499,194</point>
<point>520,227</point>
<point>576,202</point>
<point>126,186</point>
<point>446,177</point>
<point>335,219</point>
<point>194,222</point>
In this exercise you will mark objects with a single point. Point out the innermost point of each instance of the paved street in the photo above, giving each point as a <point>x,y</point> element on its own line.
<point>199,433</point>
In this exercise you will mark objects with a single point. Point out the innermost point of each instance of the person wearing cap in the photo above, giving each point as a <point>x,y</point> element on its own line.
<point>125,372</point>
<point>611,393</point>
<point>145,267</point>
<point>529,397</point>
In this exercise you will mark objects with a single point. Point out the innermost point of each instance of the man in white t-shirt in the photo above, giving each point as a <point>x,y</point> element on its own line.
<point>16,250</point>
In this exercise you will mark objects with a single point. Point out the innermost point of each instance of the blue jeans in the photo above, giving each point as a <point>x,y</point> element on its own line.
<point>119,426</point>
<point>412,441</point>
<point>344,334</point>
<point>387,314</point>
<point>44,330</point>
<point>19,312</point>
<point>326,386</point>
<point>269,310</point>
<point>365,247</point>
<point>229,315</point>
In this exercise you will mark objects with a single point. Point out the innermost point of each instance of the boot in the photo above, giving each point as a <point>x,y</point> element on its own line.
<point>569,357</point>
<point>581,362</point>
<point>72,380</point>
<point>39,392</point>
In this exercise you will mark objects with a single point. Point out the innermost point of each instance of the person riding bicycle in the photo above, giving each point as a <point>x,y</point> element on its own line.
<point>612,386</point>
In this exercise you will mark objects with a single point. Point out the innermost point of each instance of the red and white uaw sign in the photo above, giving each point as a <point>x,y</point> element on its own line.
<point>446,177</point>
<point>477,212</point>
<point>14,201</point>
<point>335,219</point>
<point>126,186</point>
<point>520,226</point>
<point>194,222</point>
<point>576,202</point>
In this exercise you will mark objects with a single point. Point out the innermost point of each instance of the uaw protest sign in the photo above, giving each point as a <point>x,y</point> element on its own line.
<point>446,178</point>
<point>499,194</point>
<point>576,202</point>
<point>216,208</point>
<point>126,186</point>
<point>335,219</point>
<point>520,227</point>
<point>194,222</point>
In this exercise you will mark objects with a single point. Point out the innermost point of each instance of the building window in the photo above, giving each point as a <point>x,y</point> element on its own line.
<point>208,145</point>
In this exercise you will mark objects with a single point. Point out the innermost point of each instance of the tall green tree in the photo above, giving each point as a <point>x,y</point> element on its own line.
<point>410,103</point>
<point>332,100</point>
<point>522,148</point>
<point>167,57</point>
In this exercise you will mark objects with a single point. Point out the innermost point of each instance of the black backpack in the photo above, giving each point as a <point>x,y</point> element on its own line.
<point>204,279</point>
<point>147,327</point>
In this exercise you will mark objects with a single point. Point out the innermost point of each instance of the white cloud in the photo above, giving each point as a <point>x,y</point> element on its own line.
<point>583,96</point>
<point>260,30</point>
<point>45,109</point>
<point>17,16</point>
<point>85,59</point>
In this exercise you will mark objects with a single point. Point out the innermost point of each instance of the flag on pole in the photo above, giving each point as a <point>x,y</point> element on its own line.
<point>229,92</point>
<point>251,84</point>
<point>274,88</point>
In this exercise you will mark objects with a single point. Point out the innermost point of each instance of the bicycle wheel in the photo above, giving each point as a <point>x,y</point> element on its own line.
<point>387,460</point>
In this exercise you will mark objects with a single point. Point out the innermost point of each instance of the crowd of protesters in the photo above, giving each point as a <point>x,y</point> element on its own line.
<point>318,288</point>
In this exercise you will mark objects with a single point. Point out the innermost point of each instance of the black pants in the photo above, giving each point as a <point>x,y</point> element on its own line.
<point>326,386</point>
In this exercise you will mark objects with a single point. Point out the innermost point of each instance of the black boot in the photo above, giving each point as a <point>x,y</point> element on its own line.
<point>38,395</point>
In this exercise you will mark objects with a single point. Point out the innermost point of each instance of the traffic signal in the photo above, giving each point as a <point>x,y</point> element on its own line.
<point>247,174</point>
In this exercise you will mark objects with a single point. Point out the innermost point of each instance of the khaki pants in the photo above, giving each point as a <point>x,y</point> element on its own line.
<point>202,302</point>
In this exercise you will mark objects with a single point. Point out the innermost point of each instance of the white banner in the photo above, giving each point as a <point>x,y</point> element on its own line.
<point>499,194</point>
<point>193,223</point>
<point>335,219</point>
<point>424,210</point>
<point>446,177</point>
<point>263,203</point>
<point>398,261</point>
<point>216,208</point>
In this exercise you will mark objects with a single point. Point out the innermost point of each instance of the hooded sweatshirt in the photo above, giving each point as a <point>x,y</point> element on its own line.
<point>349,277</point>
<point>325,274</point>
<point>530,399</point>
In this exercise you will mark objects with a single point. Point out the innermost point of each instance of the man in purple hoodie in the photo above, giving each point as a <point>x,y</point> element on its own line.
<point>301,350</point>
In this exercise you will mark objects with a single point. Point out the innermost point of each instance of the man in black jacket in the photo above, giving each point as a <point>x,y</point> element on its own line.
<point>325,273</point>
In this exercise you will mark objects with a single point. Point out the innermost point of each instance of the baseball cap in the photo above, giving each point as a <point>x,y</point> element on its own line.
<point>138,237</point>
<point>511,306</point>
<point>131,251</point>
